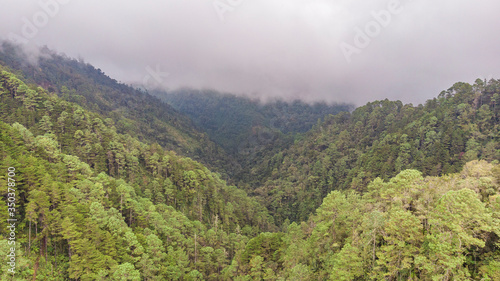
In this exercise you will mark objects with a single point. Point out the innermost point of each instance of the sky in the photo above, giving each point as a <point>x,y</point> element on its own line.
<point>334,50</point>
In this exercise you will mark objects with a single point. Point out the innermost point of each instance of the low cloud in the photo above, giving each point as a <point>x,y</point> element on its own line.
<point>279,48</point>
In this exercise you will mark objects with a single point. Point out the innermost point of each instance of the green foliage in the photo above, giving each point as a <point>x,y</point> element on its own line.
<point>131,111</point>
<point>250,131</point>
<point>382,193</point>
<point>125,272</point>
<point>84,209</point>
<point>381,139</point>
<point>241,124</point>
<point>445,231</point>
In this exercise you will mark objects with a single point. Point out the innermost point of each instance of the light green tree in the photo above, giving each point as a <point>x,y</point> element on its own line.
<point>125,272</point>
<point>402,241</point>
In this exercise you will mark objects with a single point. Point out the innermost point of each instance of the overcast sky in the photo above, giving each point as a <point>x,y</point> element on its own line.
<point>345,50</point>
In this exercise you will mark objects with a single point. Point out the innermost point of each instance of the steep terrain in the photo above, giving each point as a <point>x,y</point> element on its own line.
<point>382,139</point>
<point>93,203</point>
<point>409,227</point>
<point>230,120</point>
<point>132,111</point>
<point>103,188</point>
<point>249,130</point>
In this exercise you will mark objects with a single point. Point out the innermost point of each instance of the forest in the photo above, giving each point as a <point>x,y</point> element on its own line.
<point>249,130</point>
<point>111,183</point>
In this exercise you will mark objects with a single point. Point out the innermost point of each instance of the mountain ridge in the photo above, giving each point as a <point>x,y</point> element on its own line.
<point>387,191</point>
<point>134,112</point>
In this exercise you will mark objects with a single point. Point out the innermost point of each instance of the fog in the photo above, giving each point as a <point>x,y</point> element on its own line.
<point>337,51</point>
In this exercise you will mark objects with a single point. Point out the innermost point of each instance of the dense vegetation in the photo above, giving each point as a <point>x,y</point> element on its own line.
<point>133,112</point>
<point>249,130</point>
<point>407,228</point>
<point>230,120</point>
<point>386,192</point>
<point>381,139</point>
<point>95,202</point>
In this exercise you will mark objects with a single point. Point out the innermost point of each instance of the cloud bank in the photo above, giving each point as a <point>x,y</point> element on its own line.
<point>343,50</point>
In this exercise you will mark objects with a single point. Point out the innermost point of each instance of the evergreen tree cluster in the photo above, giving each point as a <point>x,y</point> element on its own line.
<point>407,228</point>
<point>381,139</point>
<point>109,187</point>
<point>249,130</point>
<point>133,111</point>
<point>94,204</point>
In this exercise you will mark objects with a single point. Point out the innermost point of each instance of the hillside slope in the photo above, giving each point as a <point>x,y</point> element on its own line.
<point>396,192</point>
<point>132,111</point>
<point>382,139</point>
<point>94,204</point>
<point>409,227</point>
<point>249,130</point>
<point>230,119</point>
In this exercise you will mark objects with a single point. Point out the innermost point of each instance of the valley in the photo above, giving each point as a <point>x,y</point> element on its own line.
<point>118,183</point>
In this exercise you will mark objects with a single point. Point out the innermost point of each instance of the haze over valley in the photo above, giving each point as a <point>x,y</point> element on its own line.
<point>249,140</point>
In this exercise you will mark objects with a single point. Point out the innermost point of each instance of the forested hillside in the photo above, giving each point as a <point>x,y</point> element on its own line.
<point>381,139</point>
<point>98,180</point>
<point>251,131</point>
<point>409,227</point>
<point>95,204</point>
<point>133,112</point>
<point>230,120</point>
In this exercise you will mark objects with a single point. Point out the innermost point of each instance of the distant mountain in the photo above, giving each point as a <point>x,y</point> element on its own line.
<point>381,139</point>
<point>133,112</point>
<point>249,130</point>
<point>95,189</point>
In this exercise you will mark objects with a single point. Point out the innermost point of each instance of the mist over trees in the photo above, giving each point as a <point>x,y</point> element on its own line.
<point>114,184</point>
